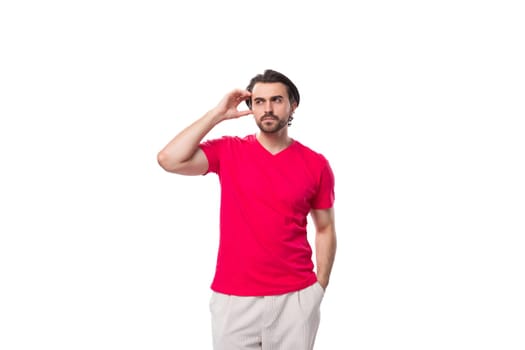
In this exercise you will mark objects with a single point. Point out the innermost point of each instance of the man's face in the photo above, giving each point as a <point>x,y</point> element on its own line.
<point>271,106</point>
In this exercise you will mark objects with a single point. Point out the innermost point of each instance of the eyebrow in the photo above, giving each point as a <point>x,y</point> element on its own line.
<point>272,98</point>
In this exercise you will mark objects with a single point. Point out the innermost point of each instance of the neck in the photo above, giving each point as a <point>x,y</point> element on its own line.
<point>274,142</point>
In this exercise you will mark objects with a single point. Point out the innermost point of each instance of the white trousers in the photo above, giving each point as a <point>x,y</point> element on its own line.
<point>282,322</point>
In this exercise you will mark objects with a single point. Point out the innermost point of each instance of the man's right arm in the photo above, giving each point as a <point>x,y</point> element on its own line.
<point>182,154</point>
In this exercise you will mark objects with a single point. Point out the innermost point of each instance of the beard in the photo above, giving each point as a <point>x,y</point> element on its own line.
<point>274,127</point>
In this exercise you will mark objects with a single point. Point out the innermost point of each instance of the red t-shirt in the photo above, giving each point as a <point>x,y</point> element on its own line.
<point>265,200</point>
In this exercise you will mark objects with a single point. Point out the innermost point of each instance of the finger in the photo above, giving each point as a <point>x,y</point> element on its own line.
<point>243,94</point>
<point>243,113</point>
<point>241,98</point>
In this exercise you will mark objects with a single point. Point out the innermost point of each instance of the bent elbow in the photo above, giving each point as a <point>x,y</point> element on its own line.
<point>195,165</point>
<point>164,161</point>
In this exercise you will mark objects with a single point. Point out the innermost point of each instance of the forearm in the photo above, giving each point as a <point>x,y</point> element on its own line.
<point>184,145</point>
<point>325,246</point>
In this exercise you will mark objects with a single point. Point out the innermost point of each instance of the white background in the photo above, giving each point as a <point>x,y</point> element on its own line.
<point>418,105</point>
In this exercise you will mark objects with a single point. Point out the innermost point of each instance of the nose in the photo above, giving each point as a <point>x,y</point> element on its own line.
<point>268,106</point>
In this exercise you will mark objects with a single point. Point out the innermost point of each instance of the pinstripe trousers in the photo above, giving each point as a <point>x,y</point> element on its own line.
<point>282,322</point>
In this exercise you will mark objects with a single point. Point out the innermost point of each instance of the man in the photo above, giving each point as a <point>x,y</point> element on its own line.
<point>265,294</point>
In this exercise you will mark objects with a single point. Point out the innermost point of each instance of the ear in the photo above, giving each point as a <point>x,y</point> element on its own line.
<point>294,106</point>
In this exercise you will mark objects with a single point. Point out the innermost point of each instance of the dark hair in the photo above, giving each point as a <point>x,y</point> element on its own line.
<point>271,76</point>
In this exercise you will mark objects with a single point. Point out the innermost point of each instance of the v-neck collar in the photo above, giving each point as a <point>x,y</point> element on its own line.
<point>259,145</point>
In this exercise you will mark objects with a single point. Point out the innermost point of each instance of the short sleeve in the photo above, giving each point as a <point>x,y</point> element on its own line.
<point>325,196</point>
<point>212,150</point>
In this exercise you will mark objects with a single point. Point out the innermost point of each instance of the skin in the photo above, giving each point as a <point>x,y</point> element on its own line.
<point>271,109</point>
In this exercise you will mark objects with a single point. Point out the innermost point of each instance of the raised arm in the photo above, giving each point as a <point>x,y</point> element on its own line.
<point>325,243</point>
<point>182,154</point>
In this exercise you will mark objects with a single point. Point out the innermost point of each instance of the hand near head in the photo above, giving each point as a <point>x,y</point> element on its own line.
<point>228,107</point>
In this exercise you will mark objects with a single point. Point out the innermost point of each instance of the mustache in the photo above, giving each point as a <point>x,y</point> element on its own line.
<point>269,115</point>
